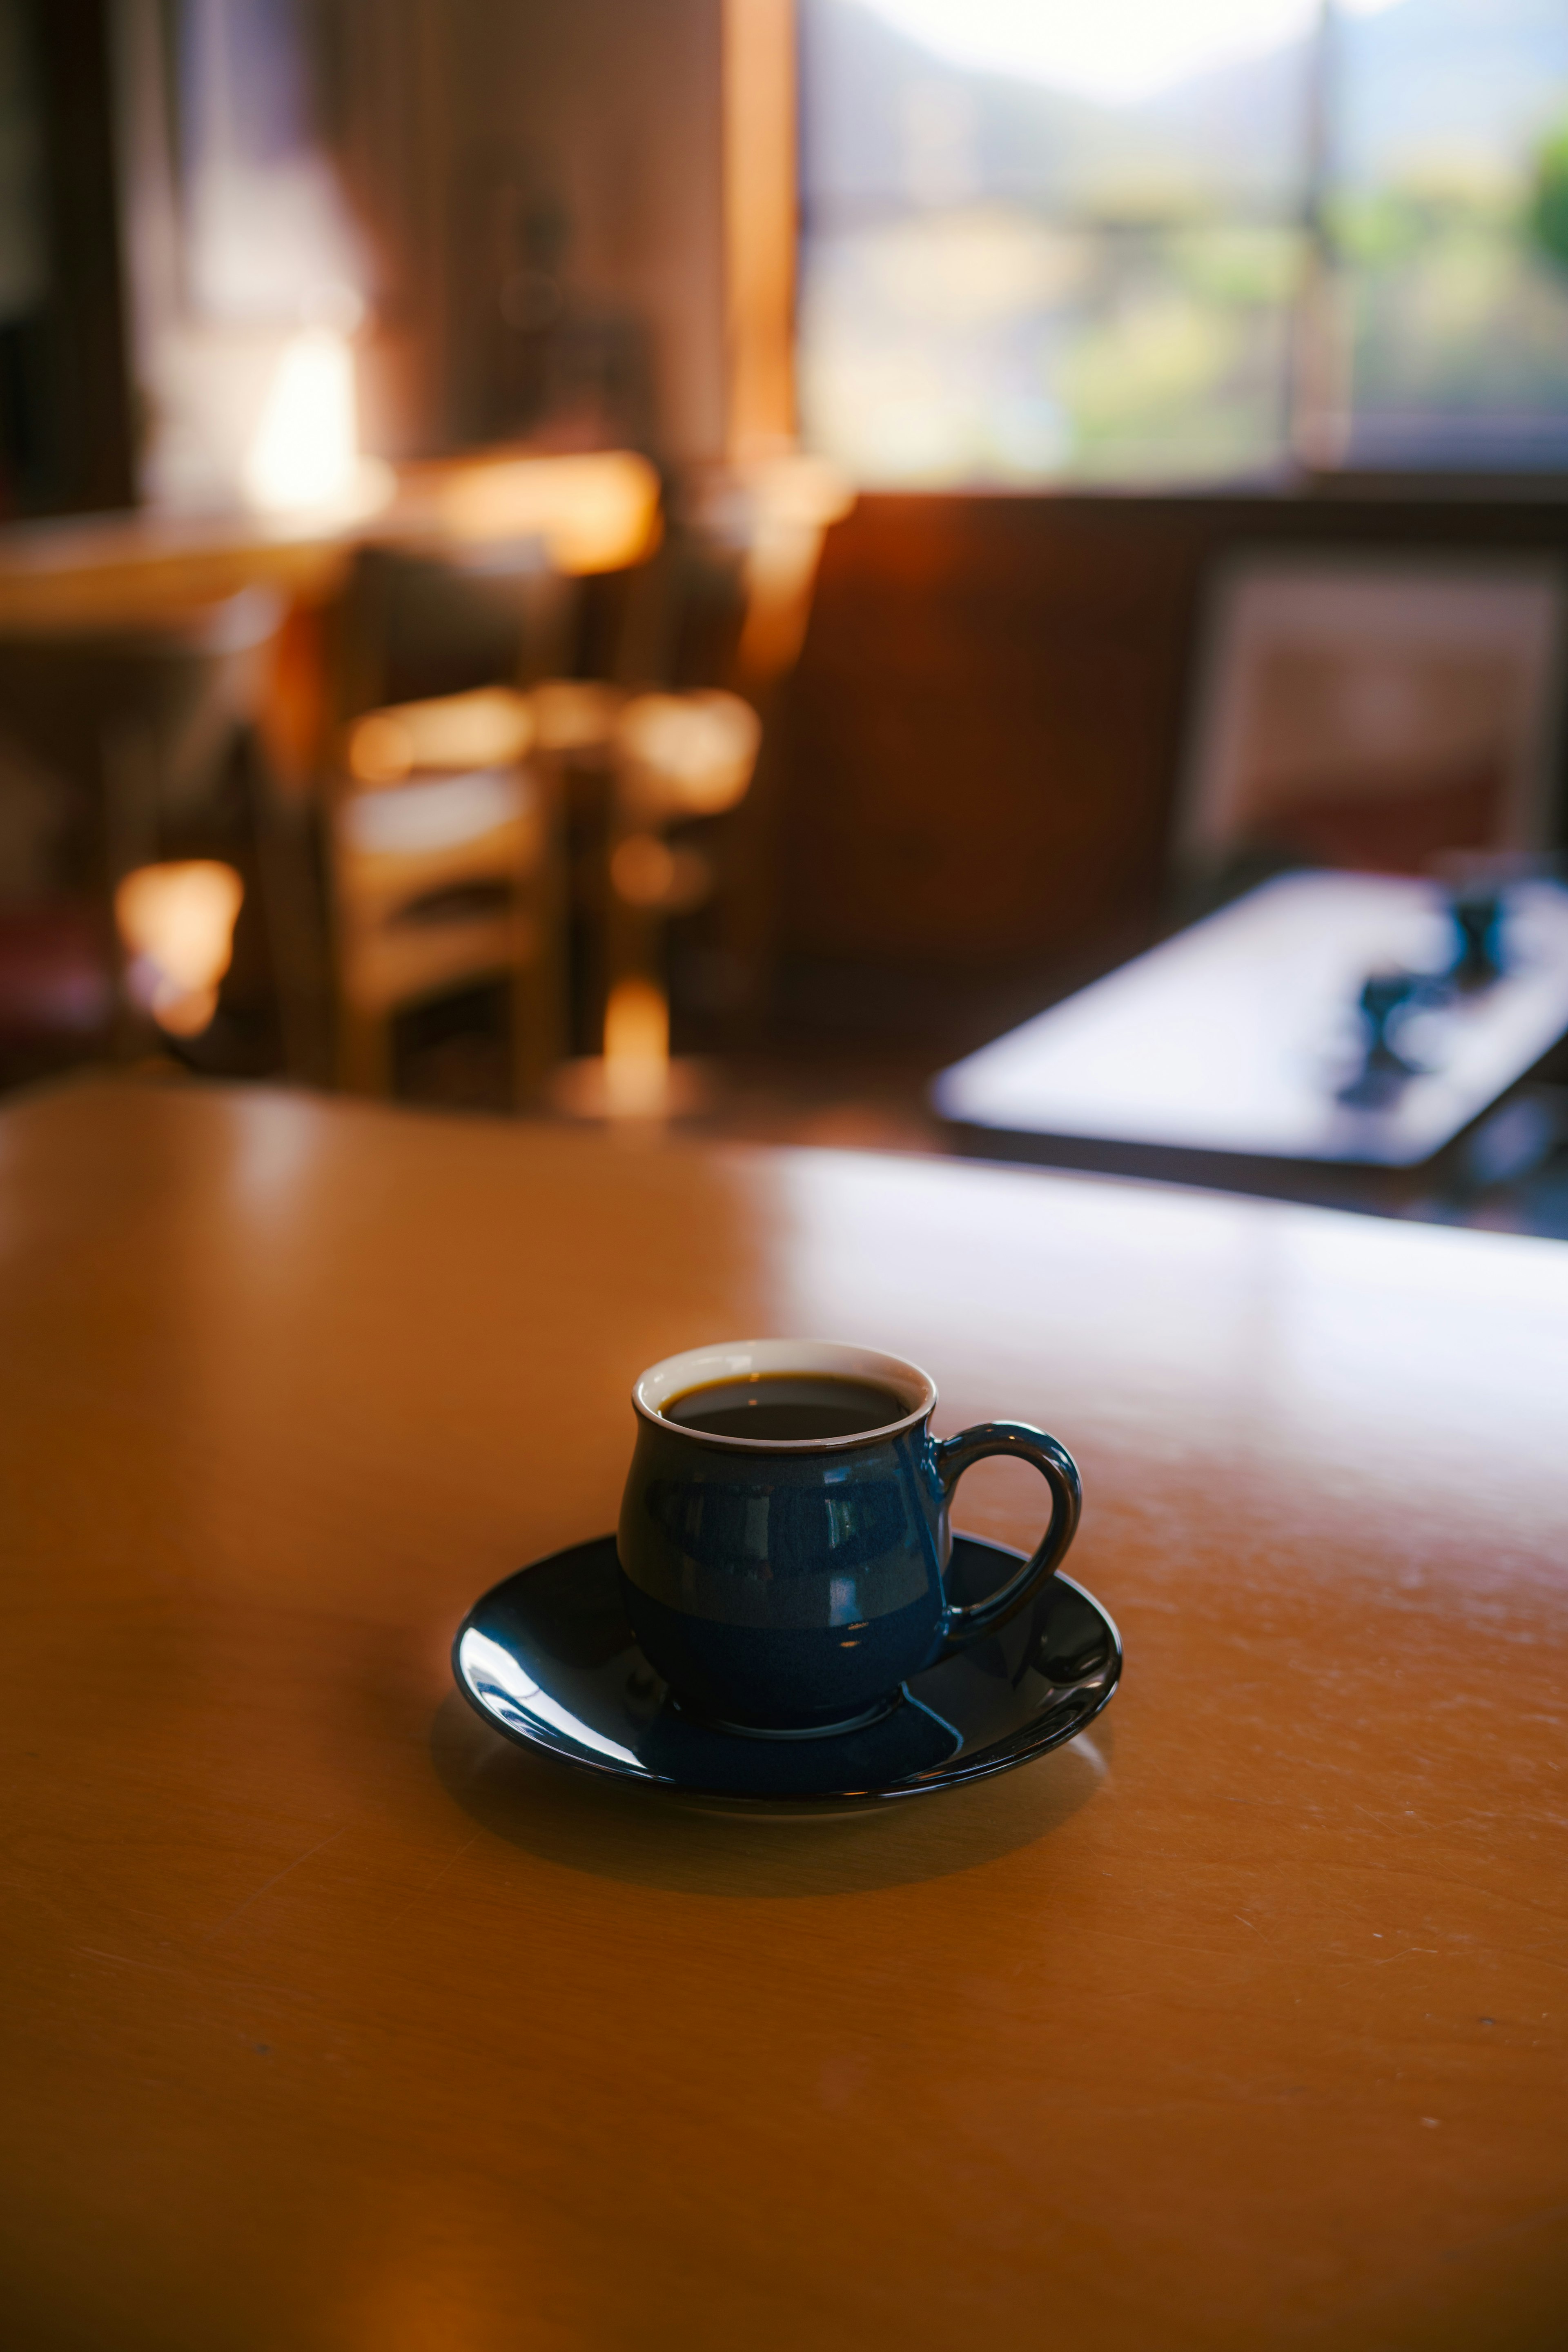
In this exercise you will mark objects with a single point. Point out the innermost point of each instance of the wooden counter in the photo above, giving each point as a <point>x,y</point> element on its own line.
<point>329,2022</point>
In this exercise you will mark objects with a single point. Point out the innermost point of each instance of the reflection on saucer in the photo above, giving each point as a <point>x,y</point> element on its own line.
<point>548,1658</point>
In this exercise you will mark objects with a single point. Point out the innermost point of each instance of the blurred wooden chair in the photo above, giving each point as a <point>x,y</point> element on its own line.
<point>718,626</point>
<point>149,726</point>
<point>444,851</point>
<point>516,569</point>
<point>681,763</point>
<point>498,568</point>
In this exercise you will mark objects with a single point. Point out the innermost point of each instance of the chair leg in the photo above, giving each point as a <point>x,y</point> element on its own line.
<point>538,1017</point>
<point>296,921</point>
<point>364,1051</point>
<point>129,766</point>
<point>540,987</point>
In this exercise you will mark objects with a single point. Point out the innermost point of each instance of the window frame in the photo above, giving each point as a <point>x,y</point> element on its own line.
<point>762,132</point>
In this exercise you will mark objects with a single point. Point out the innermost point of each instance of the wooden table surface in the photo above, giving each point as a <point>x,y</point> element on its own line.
<point>327,2020</point>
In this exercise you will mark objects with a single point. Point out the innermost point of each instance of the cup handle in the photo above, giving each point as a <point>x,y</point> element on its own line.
<point>952,1457</point>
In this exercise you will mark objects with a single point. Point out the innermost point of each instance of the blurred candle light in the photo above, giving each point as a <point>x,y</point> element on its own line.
<point>177,925</point>
<point>636,1050</point>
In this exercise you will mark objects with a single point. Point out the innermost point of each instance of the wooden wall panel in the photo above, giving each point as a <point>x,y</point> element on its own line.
<point>83,458</point>
<point>986,722</point>
<point>612,110</point>
<point>981,726</point>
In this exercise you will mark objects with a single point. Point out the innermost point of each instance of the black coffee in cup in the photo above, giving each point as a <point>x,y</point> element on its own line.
<point>785,1407</point>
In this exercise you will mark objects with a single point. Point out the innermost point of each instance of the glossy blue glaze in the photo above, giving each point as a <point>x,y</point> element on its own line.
<point>783,1589</point>
<point>793,1587</point>
<point>548,1659</point>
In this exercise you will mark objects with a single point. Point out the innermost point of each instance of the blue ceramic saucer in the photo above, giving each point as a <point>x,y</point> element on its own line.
<point>548,1659</point>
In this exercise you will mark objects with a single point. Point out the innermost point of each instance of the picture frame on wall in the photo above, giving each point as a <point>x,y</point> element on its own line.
<point>1372,711</point>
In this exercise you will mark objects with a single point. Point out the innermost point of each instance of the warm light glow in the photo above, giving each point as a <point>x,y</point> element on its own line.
<point>646,872</point>
<point>306,450</point>
<point>490,728</point>
<point>595,512</point>
<point>642,869</point>
<point>799,489</point>
<point>636,1050</point>
<point>688,754</point>
<point>575,714</point>
<point>381,750</point>
<point>176,924</point>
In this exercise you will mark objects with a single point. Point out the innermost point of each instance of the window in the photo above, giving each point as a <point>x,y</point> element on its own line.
<point>1129,242</point>
<point>268,237</point>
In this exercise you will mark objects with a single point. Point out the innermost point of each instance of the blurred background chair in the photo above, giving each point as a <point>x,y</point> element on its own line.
<point>652,644</point>
<point>715,628</point>
<point>130,745</point>
<point>511,571</point>
<point>444,854</point>
<point>500,569</point>
<point>683,764</point>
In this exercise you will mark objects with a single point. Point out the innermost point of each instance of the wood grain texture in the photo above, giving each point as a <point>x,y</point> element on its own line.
<point>330,2022</point>
<point>986,724</point>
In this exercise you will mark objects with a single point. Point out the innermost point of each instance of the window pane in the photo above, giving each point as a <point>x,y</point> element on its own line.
<point>268,237</point>
<point>1051,241</point>
<point>1453,317</point>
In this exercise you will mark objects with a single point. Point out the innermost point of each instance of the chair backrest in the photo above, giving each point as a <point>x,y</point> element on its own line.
<point>491,577</point>
<point>723,613</point>
<point>141,718</point>
<point>444,854</point>
<point>726,599</point>
<point>490,727</point>
<point>433,795</point>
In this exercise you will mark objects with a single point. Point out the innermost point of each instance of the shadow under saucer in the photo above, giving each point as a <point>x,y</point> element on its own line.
<point>553,1676</point>
<point>650,1836</point>
<point>549,1660</point>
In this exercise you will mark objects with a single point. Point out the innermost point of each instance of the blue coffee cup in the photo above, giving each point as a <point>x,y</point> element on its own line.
<point>787,1586</point>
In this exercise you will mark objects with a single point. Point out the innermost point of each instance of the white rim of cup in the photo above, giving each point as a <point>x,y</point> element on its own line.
<point>739,1359</point>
